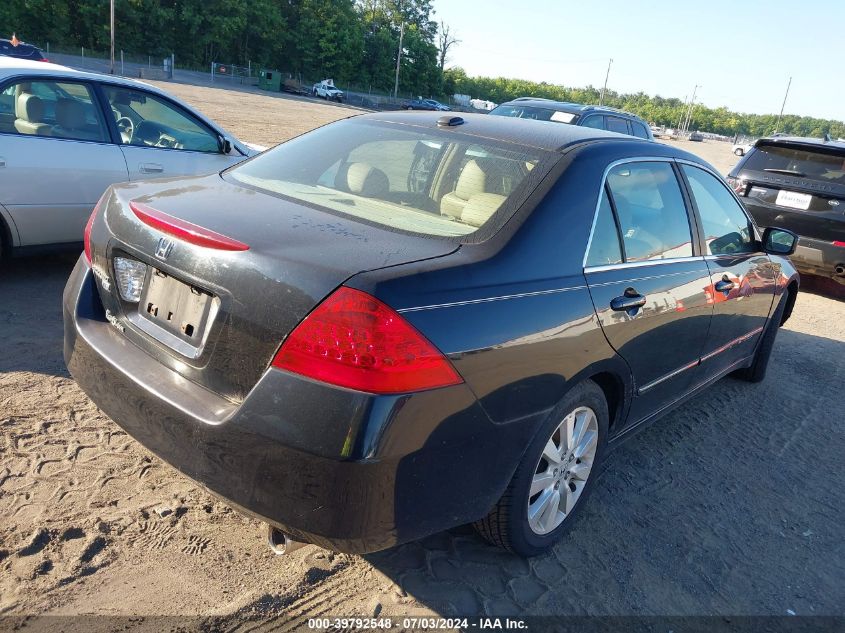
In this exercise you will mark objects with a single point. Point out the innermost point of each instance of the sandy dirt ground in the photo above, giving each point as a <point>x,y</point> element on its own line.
<point>733,504</point>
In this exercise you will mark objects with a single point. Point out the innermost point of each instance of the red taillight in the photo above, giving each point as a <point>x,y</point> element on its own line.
<point>738,185</point>
<point>839,244</point>
<point>86,236</point>
<point>44,59</point>
<point>185,230</point>
<point>354,340</point>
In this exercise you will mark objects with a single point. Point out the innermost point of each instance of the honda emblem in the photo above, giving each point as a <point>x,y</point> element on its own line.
<point>164,247</point>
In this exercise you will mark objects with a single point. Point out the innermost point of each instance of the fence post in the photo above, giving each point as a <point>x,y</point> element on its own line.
<point>48,48</point>
<point>83,55</point>
<point>122,72</point>
<point>172,65</point>
<point>212,72</point>
<point>249,68</point>
<point>150,62</point>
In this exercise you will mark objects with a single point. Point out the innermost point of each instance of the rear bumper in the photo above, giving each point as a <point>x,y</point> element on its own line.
<point>345,470</point>
<point>817,257</point>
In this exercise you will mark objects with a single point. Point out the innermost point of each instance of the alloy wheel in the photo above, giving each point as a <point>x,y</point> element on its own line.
<point>562,470</point>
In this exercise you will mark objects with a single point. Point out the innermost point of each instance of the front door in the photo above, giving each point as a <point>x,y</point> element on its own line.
<point>647,282</point>
<point>57,159</point>
<point>160,140</point>
<point>742,276</point>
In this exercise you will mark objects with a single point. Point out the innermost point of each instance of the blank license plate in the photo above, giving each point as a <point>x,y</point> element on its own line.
<point>176,307</point>
<point>793,199</point>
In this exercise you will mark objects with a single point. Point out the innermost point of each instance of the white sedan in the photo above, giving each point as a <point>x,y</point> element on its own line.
<point>741,149</point>
<point>66,135</point>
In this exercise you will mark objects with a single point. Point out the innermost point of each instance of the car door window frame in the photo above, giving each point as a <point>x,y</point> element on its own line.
<point>693,206</point>
<point>103,85</point>
<point>93,90</point>
<point>692,219</point>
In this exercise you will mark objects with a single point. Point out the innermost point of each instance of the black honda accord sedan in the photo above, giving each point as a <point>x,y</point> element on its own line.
<point>399,323</point>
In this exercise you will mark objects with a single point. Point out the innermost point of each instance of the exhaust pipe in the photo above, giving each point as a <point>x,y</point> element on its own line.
<point>839,269</point>
<point>280,542</point>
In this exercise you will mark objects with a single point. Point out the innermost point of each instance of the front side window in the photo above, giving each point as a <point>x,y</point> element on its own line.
<point>604,247</point>
<point>146,120</point>
<point>651,211</point>
<point>727,229</point>
<point>412,179</point>
<point>596,122</point>
<point>55,109</point>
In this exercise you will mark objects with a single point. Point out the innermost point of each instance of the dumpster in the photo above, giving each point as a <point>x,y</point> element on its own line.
<point>269,79</point>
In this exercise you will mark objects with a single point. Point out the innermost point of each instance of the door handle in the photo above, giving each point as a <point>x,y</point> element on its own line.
<point>151,168</point>
<point>629,302</point>
<point>726,285</point>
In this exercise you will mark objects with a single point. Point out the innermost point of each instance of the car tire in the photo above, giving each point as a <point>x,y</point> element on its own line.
<point>738,151</point>
<point>507,524</point>
<point>756,372</point>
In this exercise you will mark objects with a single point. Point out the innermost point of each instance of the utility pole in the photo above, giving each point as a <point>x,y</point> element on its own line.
<point>783,105</point>
<point>398,60</point>
<point>689,110</point>
<point>601,99</point>
<point>112,36</point>
<point>680,118</point>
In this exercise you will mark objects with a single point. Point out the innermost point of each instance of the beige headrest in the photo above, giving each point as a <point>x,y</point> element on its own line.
<point>366,180</point>
<point>471,181</point>
<point>29,108</point>
<point>70,114</point>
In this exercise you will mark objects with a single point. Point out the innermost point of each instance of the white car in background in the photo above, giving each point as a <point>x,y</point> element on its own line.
<point>741,149</point>
<point>66,135</point>
<point>327,90</point>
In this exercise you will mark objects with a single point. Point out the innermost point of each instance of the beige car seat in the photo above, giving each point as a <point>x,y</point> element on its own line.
<point>70,122</point>
<point>471,181</point>
<point>29,111</point>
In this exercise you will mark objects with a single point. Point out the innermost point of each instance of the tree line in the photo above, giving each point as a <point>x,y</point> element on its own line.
<point>355,42</point>
<point>654,109</point>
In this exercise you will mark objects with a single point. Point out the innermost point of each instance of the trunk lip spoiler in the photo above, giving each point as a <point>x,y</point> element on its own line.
<point>184,230</point>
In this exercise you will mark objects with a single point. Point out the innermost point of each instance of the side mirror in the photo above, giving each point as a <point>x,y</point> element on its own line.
<point>224,144</point>
<point>779,241</point>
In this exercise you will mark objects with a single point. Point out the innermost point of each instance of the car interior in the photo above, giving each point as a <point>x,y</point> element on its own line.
<point>51,109</point>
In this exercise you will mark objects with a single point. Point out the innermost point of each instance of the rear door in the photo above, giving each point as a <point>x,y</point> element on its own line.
<point>648,282</point>
<point>56,158</point>
<point>742,276</point>
<point>159,139</point>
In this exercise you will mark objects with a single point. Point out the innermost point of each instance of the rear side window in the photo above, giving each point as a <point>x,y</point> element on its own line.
<point>639,129</point>
<point>651,211</point>
<point>604,247</point>
<point>423,181</point>
<point>798,162</point>
<point>727,229</point>
<point>54,109</point>
<point>615,124</point>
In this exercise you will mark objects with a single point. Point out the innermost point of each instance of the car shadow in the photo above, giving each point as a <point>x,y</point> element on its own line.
<point>31,313</point>
<point>725,506</point>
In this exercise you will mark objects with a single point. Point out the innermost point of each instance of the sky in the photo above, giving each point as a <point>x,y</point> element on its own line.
<point>741,52</point>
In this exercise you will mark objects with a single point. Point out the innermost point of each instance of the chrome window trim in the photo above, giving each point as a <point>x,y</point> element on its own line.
<point>616,163</point>
<point>647,262</point>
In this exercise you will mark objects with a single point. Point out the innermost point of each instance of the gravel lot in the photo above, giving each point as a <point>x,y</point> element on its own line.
<point>733,504</point>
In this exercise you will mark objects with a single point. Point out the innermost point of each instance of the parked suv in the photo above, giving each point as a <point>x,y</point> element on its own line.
<point>21,50</point>
<point>593,116</point>
<point>799,184</point>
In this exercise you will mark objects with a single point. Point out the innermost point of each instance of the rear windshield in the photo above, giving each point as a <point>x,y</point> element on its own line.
<point>533,112</point>
<point>800,162</point>
<point>408,178</point>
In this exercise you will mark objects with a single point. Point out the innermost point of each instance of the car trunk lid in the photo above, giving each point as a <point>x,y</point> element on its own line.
<point>217,315</point>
